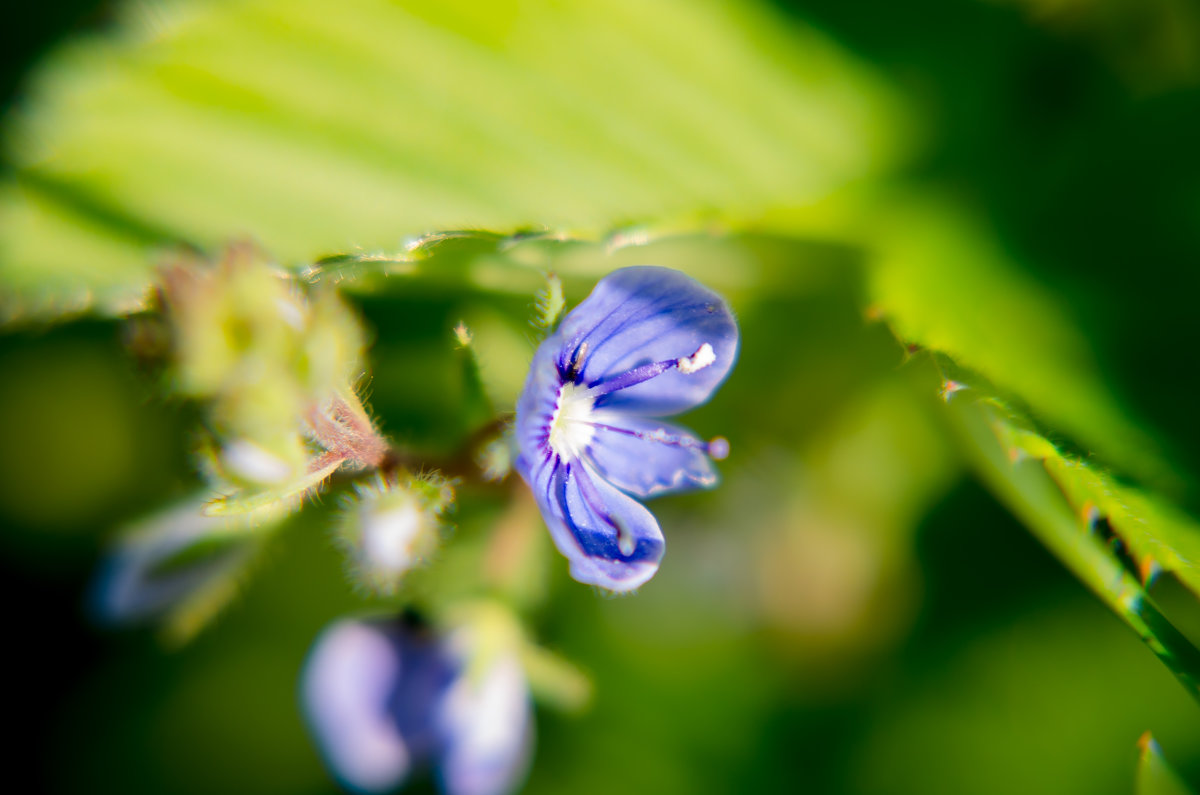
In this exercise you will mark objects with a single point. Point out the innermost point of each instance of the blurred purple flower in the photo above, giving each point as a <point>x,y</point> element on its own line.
<point>162,564</point>
<point>383,698</point>
<point>648,342</point>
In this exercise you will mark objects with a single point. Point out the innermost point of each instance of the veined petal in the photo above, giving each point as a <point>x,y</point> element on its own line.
<point>642,315</point>
<point>348,686</point>
<point>609,538</point>
<point>646,457</point>
<point>536,405</point>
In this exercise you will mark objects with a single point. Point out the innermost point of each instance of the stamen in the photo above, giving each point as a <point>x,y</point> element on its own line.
<point>577,361</point>
<point>703,357</point>
<point>631,377</point>
<point>658,435</point>
<point>717,447</point>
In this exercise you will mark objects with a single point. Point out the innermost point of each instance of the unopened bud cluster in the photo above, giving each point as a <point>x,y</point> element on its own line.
<point>265,353</point>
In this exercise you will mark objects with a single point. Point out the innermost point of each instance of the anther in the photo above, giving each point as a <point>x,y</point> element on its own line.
<point>703,357</point>
<point>718,448</point>
<point>577,360</point>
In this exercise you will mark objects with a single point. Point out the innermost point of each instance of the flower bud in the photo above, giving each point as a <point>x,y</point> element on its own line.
<point>266,353</point>
<point>390,528</point>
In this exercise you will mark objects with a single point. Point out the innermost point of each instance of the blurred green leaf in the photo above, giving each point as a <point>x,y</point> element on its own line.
<point>737,264</point>
<point>271,505</point>
<point>1163,54</point>
<point>1154,775</point>
<point>315,128</point>
<point>201,607</point>
<point>944,283</point>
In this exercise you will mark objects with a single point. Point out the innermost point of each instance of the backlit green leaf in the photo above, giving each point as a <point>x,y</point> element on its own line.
<point>314,128</point>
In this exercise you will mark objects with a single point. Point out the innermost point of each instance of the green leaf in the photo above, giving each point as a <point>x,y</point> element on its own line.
<point>945,284</point>
<point>1154,775</point>
<point>272,505</point>
<point>738,264</point>
<point>315,130</point>
<point>1020,467</point>
<point>1046,430</point>
<point>1154,534</point>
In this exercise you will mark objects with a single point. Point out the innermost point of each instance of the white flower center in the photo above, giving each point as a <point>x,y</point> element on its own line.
<point>571,428</point>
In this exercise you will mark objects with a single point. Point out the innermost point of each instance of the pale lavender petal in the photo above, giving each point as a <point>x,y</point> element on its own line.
<point>646,457</point>
<point>488,731</point>
<point>641,316</point>
<point>583,513</point>
<point>348,687</point>
<point>137,582</point>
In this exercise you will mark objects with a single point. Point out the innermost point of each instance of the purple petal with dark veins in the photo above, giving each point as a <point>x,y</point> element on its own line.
<point>643,315</point>
<point>646,457</point>
<point>584,513</point>
<point>647,342</point>
<point>535,407</point>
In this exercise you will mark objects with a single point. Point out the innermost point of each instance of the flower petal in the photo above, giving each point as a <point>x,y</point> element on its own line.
<point>536,405</point>
<point>348,687</point>
<point>583,513</point>
<point>487,731</point>
<point>149,572</point>
<point>646,457</point>
<point>642,315</point>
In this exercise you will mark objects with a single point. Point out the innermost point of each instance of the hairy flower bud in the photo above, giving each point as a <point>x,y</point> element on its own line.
<point>390,527</point>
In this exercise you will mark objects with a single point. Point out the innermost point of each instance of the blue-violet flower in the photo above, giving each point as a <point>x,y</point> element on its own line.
<point>648,342</point>
<point>383,698</point>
